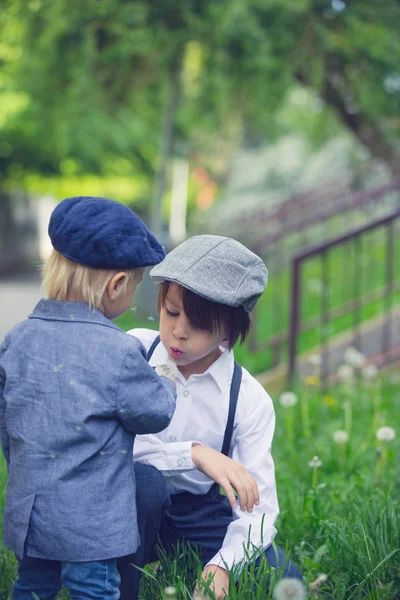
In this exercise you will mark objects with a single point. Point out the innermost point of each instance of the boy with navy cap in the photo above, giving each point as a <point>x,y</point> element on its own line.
<point>74,392</point>
<point>221,432</point>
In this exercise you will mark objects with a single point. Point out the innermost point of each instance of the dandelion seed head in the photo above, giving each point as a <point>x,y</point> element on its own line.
<point>317,582</point>
<point>345,373</point>
<point>369,372</point>
<point>315,462</point>
<point>338,5</point>
<point>385,434</point>
<point>354,358</point>
<point>340,436</point>
<point>315,360</point>
<point>78,427</point>
<point>288,399</point>
<point>289,589</point>
<point>315,286</point>
<point>170,592</point>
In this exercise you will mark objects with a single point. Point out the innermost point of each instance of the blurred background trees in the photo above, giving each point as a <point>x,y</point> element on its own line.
<point>115,89</point>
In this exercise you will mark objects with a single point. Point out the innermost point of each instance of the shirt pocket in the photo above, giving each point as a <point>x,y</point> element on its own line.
<point>210,438</point>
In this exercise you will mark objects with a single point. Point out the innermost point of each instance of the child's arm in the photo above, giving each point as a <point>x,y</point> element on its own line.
<point>4,438</point>
<point>145,401</point>
<point>173,458</point>
<point>252,448</point>
<point>229,474</point>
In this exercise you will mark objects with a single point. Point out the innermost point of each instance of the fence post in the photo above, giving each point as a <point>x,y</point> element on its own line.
<point>294,316</point>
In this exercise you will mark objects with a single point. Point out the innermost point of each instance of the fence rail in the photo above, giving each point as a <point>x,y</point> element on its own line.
<point>386,293</point>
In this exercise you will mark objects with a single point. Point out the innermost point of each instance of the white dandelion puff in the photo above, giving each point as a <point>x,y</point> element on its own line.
<point>340,436</point>
<point>315,286</point>
<point>385,434</point>
<point>315,462</point>
<point>345,373</point>
<point>317,582</point>
<point>354,358</point>
<point>289,589</point>
<point>78,427</point>
<point>288,399</point>
<point>315,360</point>
<point>170,592</point>
<point>370,372</point>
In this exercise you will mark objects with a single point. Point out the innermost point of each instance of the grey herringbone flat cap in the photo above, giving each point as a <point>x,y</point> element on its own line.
<point>217,268</point>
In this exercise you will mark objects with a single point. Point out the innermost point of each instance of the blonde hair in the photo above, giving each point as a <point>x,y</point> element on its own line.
<point>64,279</point>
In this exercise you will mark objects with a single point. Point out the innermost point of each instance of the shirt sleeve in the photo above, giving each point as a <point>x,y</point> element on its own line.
<point>171,458</point>
<point>145,401</point>
<point>4,437</point>
<point>252,448</point>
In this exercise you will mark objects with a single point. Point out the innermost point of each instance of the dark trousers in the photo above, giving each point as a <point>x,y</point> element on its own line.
<point>200,520</point>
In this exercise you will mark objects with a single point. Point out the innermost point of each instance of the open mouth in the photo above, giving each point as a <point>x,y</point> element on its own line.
<point>176,352</point>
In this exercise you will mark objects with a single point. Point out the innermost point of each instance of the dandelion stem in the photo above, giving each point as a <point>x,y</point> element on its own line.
<point>305,417</point>
<point>347,416</point>
<point>314,477</point>
<point>289,426</point>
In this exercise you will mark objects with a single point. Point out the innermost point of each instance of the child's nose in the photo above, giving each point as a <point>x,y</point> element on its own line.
<point>180,330</point>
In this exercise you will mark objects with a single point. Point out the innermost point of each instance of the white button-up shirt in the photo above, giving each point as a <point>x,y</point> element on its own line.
<point>200,418</point>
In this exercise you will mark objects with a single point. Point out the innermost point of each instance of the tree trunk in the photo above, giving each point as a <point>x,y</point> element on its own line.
<point>167,136</point>
<point>369,134</point>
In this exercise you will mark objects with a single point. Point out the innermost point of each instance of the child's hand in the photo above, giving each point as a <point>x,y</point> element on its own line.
<point>229,474</point>
<point>219,584</point>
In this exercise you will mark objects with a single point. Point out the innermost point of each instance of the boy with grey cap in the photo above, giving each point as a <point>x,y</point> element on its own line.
<point>222,429</point>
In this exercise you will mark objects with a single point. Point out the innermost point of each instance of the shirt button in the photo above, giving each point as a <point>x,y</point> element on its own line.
<point>186,393</point>
<point>172,438</point>
<point>179,462</point>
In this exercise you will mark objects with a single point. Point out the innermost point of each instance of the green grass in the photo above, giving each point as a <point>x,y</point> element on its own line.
<point>341,519</point>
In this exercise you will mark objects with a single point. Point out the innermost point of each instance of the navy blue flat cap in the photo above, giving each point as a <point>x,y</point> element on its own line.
<point>103,234</point>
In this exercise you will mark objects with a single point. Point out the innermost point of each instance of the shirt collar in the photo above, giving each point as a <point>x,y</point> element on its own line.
<point>55,310</point>
<point>221,370</point>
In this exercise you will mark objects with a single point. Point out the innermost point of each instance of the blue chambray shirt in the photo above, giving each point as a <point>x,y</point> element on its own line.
<point>74,391</point>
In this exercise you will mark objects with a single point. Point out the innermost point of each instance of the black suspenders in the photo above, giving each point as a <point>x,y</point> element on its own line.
<point>233,398</point>
<point>152,348</point>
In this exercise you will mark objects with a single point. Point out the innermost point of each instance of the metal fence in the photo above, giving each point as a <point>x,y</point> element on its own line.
<point>374,286</point>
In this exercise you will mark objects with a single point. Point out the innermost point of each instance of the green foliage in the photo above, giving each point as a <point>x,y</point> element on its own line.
<point>88,82</point>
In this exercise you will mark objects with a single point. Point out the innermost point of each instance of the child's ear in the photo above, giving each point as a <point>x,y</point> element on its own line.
<point>114,286</point>
<point>225,343</point>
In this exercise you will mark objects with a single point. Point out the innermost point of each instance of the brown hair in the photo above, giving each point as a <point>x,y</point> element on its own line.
<point>211,316</point>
